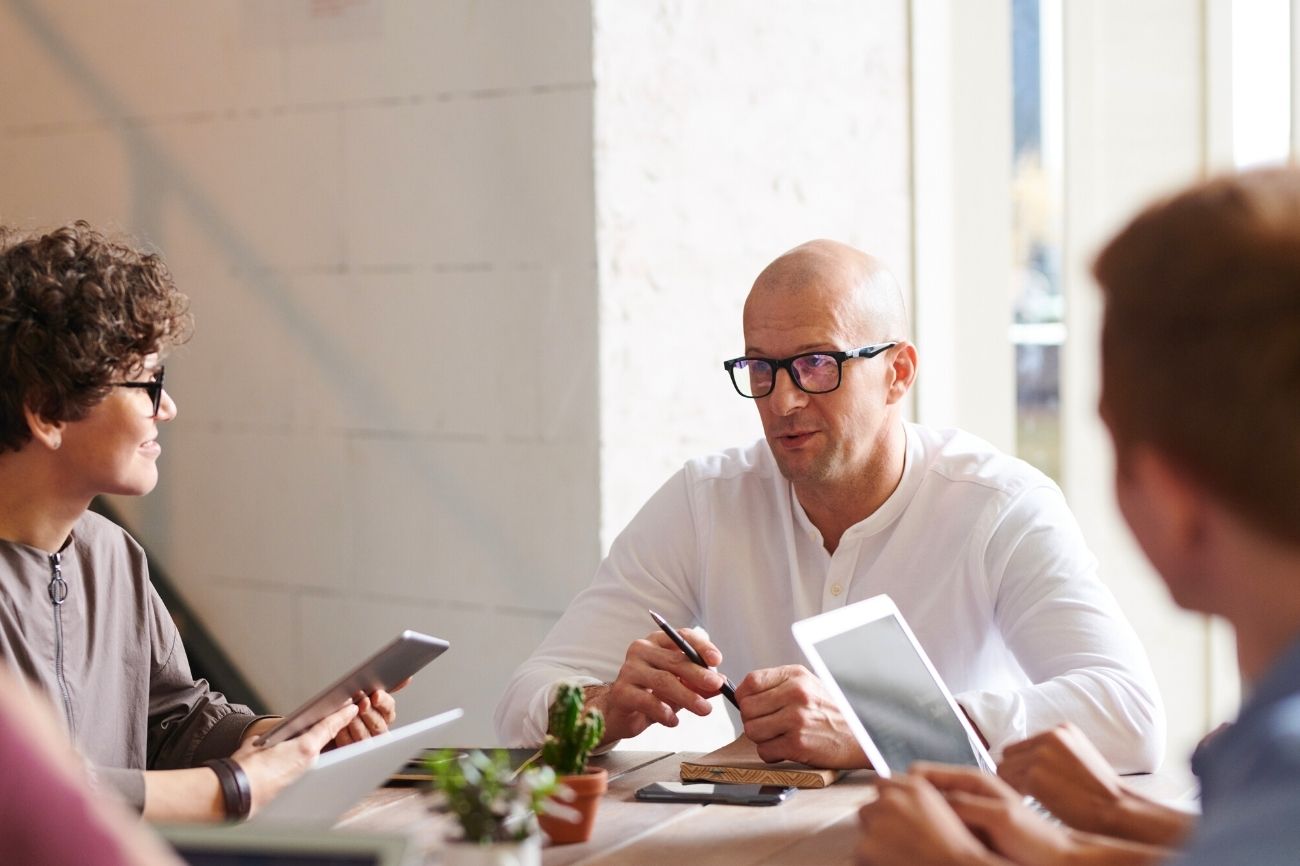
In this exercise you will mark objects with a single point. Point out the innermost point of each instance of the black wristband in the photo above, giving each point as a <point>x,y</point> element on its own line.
<point>236,792</point>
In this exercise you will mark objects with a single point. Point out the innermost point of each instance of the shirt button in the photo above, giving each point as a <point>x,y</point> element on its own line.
<point>836,589</point>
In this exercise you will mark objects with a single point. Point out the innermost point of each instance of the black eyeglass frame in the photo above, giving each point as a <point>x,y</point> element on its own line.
<point>787,364</point>
<point>154,388</point>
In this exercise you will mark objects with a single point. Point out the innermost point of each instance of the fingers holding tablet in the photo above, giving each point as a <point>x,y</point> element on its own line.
<point>375,680</point>
<point>376,712</point>
<point>271,768</point>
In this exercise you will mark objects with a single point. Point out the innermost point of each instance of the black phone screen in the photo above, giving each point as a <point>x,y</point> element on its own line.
<point>706,792</point>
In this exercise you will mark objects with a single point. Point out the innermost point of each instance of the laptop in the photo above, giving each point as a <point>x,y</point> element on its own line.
<point>244,845</point>
<point>340,778</point>
<point>888,691</point>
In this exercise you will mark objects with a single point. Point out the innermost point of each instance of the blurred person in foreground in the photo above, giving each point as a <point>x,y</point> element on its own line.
<point>49,813</point>
<point>1201,393</point>
<point>84,322</point>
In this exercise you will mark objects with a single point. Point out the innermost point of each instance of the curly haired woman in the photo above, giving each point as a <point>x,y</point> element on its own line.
<point>84,322</point>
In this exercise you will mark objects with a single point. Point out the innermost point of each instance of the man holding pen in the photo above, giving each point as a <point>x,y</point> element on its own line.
<point>840,501</point>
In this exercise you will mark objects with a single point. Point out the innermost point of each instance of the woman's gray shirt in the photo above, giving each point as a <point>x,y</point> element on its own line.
<point>109,657</point>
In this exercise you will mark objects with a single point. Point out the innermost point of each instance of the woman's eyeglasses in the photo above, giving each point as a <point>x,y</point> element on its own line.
<point>154,388</point>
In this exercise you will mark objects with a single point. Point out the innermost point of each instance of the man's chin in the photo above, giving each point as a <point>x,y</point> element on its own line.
<point>800,469</point>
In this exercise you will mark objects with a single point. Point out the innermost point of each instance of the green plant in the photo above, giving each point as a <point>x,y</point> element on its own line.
<point>491,802</point>
<point>572,732</point>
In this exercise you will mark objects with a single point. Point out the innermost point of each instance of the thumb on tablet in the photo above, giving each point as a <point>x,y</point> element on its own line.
<point>403,684</point>
<point>323,732</point>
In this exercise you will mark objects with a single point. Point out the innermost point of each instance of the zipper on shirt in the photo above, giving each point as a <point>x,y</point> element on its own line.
<point>59,594</point>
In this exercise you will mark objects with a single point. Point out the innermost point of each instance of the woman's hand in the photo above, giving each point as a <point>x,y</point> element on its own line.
<point>270,769</point>
<point>376,713</point>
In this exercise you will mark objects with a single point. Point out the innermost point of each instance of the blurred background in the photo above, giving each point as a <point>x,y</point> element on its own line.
<point>464,271</point>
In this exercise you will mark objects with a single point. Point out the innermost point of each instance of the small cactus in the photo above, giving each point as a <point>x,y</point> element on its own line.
<point>572,732</point>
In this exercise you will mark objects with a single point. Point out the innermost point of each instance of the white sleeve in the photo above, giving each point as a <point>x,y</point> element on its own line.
<point>653,564</point>
<point>1071,638</point>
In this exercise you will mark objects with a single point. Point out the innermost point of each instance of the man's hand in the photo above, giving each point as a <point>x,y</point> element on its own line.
<point>271,768</point>
<point>791,717</point>
<point>657,680</point>
<point>1063,770</point>
<point>997,814</point>
<point>909,824</point>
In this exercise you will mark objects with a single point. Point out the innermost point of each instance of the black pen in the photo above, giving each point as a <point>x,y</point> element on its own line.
<point>728,690</point>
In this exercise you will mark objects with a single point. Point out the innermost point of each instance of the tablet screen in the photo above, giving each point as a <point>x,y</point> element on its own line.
<point>894,696</point>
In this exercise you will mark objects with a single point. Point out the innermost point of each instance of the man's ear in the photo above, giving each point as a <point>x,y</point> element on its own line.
<point>902,366</point>
<point>1182,504</point>
<point>46,433</point>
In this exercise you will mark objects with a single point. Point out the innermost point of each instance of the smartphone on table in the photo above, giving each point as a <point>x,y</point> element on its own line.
<point>707,792</point>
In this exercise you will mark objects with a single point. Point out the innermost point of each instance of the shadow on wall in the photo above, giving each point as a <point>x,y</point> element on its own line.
<point>157,180</point>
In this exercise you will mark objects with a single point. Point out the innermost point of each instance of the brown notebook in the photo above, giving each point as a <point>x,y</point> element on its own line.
<point>738,762</point>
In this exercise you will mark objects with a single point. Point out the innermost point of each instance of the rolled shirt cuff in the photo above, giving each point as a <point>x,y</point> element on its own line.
<point>225,737</point>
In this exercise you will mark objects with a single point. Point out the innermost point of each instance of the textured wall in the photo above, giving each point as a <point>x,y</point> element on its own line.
<point>383,213</point>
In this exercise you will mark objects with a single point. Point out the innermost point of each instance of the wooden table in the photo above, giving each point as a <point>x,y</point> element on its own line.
<point>814,826</point>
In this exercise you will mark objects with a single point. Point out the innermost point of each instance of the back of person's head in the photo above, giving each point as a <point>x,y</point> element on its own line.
<point>78,309</point>
<point>1201,341</point>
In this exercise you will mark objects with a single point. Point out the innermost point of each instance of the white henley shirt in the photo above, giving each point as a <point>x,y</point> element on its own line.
<point>978,550</point>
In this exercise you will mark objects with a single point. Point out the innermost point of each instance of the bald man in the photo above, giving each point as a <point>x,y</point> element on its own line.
<point>842,500</point>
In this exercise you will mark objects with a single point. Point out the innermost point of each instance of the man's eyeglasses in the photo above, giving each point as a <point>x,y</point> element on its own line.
<point>813,372</point>
<point>154,388</point>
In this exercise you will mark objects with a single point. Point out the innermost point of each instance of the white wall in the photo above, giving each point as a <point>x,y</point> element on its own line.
<point>384,216</point>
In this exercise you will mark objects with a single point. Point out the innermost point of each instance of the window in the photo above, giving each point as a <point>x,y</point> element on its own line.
<point>1261,82</point>
<point>1037,298</point>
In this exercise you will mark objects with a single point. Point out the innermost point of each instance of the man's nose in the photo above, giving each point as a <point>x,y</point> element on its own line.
<point>786,396</point>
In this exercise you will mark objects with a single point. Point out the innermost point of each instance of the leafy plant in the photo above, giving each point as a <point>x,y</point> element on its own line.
<point>571,732</point>
<point>491,802</point>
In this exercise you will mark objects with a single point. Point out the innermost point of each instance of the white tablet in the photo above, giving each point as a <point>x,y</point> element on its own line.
<point>888,691</point>
<point>244,845</point>
<point>341,777</point>
<point>401,658</point>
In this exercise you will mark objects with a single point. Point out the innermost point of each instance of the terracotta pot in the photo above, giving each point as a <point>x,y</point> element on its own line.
<point>587,788</point>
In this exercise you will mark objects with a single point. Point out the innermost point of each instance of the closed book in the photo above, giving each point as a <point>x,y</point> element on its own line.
<point>738,763</point>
